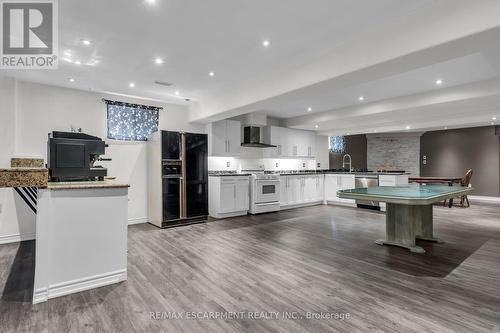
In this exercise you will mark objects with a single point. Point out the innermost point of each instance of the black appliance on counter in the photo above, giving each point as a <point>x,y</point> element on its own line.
<point>72,156</point>
<point>183,158</point>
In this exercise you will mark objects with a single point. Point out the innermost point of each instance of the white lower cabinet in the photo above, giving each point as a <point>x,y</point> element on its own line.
<point>335,182</point>
<point>391,180</point>
<point>228,196</point>
<point>299,190</point>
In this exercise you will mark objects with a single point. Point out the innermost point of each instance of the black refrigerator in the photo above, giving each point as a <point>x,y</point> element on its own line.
<point>184,178</point>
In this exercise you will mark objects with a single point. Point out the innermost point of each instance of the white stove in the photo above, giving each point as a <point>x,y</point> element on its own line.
<point>264,192</point>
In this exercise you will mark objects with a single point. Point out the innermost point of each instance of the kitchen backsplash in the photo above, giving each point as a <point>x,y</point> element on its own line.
<point>238,164</point>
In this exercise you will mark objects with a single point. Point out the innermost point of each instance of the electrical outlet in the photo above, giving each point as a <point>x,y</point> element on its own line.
<point>277,164</point>
<point>303,165</point>
<point>228,164</point>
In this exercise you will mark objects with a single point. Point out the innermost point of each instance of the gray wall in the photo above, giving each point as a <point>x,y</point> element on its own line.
<point>394,151</point>
<point>452,152</point>
<point>356,147</point>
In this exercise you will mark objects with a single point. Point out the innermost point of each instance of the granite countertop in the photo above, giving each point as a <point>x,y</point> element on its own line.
<point>30,169</point>
<point>229,174</point>
<point>77,185</point>
<point>24,177</point>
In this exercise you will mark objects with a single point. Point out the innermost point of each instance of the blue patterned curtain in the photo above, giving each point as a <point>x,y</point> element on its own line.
<point>131,122</point>
<point>337,144</point>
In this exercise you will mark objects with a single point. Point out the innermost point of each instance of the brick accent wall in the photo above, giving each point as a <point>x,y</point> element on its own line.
<point>394,151</point>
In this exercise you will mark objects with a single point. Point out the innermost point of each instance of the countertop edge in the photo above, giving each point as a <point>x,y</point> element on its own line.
<point>64,186</point>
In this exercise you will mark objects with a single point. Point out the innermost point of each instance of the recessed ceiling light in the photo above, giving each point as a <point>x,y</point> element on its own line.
<point>266,43</point>
<point>67,59</point>
<point>177,92</point>
<point>493,123</point>
<point>131,84</point>
<point>211,73</point>
<point>309,109</point>
<point>158,61</point>
<point>85,42</point>
<point>151,2</point>
<point>348,133</point>
<point>77,62</point>
<point>493,118</point>
<point>67,53</point>
<point>445,127</point>
<point>361,98</point>
<point>407,127</point>
<point>71,80</point>
<point>316,126</point>
<point>439,82</point>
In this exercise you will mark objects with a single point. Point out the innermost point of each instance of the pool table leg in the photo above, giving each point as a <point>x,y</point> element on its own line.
<point>401,229</point>
<point>424,224</point>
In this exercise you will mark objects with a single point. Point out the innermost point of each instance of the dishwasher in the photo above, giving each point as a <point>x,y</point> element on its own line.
<point>364,181</point>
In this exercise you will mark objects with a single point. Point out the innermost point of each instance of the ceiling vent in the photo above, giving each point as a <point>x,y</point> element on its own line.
<point>163,83</point>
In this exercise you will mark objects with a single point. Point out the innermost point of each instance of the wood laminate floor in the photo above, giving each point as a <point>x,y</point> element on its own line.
<point>320,259</point>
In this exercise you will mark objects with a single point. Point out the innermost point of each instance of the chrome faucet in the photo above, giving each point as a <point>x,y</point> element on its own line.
<point>344,162</point>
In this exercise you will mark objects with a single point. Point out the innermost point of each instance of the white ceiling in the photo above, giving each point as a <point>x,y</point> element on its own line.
<point>196,37</point>
<point>323,97</point>
<point>324,54</point>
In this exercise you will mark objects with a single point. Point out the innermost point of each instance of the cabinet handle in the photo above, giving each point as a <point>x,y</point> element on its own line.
<point>234,191</point>
<point>228,146</point>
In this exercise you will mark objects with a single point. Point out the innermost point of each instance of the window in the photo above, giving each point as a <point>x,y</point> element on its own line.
<point>337,144</point>
<point>131,122</point>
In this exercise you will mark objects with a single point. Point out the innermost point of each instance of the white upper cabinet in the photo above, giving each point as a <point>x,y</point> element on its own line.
<point>289,142</point>
<point>224,138</point>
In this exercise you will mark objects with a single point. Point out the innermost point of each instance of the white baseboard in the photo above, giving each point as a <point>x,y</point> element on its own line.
<point>5,239</point>
<point>137,220</point>
<point>305,204</point>
<point>227,215</point>
<point>70,287</point>
<point>482,198</point>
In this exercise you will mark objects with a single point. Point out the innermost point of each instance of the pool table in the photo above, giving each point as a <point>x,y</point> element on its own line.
<point>409,210</point>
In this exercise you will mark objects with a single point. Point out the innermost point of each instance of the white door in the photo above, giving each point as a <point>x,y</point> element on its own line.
<point>302,143</point>
<point>310,186</point>
<point>348,182</point>
<point>332,184</point>
<point>294,189</point>
<point>217,138</point>
<point>233,137</point>
<point>280,137</point>
<point>319,188</point>
<point>283,190</point>
<point>242,196</point>
<point>227,197</point>
<point>311,149</point>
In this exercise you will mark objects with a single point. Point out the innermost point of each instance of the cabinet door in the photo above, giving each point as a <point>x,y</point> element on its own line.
<point>233,137</point>
<point>302,143</point>
<point>217,138</point>
<point>283,190</point>
<point>311,149</point>
<point>227,197</point>
<point>242,199</point>
<point>347,182</point>
<point>319,188</point>
<point>294,189</point>
<point>332,185</point>
<point>292,140</point>
<point>279,138</point>
<point>310,185</point>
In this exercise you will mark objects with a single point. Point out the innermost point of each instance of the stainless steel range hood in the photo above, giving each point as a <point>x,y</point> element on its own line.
<point>251,138</point>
